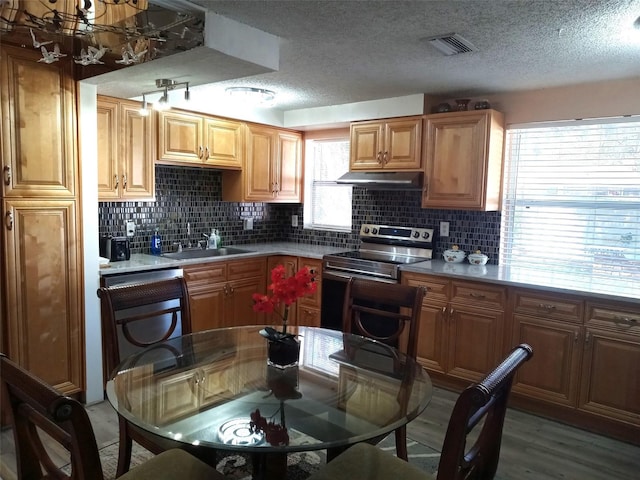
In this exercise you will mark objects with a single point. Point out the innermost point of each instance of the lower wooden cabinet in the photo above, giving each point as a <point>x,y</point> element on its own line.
<point>220,293</point>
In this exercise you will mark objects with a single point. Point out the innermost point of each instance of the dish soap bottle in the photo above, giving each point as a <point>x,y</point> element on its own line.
<point>156,244</point>
<point>213,240</point>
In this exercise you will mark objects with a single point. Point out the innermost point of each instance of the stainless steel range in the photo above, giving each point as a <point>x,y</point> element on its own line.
<point>383,250</point>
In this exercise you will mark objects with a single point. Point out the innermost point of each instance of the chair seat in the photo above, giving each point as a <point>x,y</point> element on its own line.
<point>172,464</point>
<point>366,461</point>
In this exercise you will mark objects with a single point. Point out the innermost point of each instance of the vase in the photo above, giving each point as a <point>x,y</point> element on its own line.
<point>283,353</point>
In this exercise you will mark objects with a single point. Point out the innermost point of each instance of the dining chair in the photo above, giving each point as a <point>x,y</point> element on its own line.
<point>471,447</point>
<point>368,304</point>
<point>158,306</point>
<point>35,408</point>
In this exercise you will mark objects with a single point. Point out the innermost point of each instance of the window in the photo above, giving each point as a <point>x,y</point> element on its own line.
<point>327,205</point>
<point>572,197</point>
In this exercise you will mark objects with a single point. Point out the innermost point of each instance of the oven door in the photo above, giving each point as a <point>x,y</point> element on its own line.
<point>334,284</point>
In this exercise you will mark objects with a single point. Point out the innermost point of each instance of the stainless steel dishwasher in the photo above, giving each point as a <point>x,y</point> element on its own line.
<point>149,329</point>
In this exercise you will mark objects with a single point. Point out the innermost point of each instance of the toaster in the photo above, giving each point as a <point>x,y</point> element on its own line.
<point>115,249</point>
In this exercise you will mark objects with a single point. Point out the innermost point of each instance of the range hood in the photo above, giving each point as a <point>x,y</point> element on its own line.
<point>383,180</point>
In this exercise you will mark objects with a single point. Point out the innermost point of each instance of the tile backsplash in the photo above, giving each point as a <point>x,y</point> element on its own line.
<point>190,199</point>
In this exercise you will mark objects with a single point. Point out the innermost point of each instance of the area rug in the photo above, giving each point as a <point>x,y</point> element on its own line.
<point>299,465</point>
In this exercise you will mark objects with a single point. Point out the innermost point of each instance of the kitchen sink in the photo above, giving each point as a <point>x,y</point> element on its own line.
<point>199,253</point>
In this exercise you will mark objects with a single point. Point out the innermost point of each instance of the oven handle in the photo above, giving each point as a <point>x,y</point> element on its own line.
<point>344,277</point>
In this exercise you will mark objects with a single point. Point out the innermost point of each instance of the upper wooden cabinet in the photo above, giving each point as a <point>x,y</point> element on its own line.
<point>126,151</point>
<point>273,170</point>
<point>393,144</point>
<point>191,138</point>
<point>38,125</point>
<point>463,160</point>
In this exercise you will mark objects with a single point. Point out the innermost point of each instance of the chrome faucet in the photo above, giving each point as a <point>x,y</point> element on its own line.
<point>179,245</point>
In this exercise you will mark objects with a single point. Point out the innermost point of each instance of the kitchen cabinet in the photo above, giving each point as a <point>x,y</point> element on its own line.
<point>461,327</point>
<point>393,144</point>
<point>126,151</point>
<point>610,381</point>
<point>41,263</point>
<point>552,325</point>
<point>463,160</point>
<point>309,305</point>
<point>273,170</point>
<point>290,264</point>
<point>200,140</point>
<point>220,293</point>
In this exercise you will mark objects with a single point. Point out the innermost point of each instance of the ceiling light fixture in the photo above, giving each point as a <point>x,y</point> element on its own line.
<point>251,95</point>
<point>164,86</point>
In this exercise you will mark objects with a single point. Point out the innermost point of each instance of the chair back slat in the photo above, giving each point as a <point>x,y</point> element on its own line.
<point>34,407</point>
<point>482,405</point>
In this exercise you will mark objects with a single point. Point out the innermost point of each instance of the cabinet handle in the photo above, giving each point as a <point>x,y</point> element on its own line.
<point>587,338</point>
<point>477,295</point>
<point>124,182</point>
<point>225,290</point>
<point>451,311</point>
<point>385,158</point>
<point>200,151</point>
<point>206,153</point>
<point>618,319</point>
<point>444,312</point>
<point>576,336</point>
<point>117,179</point>
<point>547,307</point>
<point>7,174</point>
<point>9,220</point>
<point>379,158</point>
<point>230,290</point>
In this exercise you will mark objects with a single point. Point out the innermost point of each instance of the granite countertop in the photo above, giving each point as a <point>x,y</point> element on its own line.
<point>552,280</point>
<point>561,281</point>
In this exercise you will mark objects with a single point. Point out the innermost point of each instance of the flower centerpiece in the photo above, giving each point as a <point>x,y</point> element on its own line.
<point>284,293</point>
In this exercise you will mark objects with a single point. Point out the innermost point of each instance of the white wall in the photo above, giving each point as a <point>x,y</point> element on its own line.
<point>87,148</point>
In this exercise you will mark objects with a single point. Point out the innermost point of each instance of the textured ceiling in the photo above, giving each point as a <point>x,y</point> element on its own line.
<point>336,52</point>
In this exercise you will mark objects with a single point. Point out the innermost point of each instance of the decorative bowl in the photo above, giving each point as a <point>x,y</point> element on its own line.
<point>453,256</point>
<point>478,259</point>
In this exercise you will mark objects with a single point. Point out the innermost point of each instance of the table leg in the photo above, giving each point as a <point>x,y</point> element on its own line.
<point>269,466</point>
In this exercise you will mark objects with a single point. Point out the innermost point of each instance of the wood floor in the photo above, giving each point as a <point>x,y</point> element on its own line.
<point>532,447</point>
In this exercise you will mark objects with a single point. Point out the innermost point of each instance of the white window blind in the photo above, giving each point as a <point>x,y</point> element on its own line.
<point>572,197</point>
<point>327,205</point>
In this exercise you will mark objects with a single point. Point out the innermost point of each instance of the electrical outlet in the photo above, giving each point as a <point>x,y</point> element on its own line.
<point>444,229</point>
<point>131,229</point>
<point>294,220</point>
<point>248,223</point>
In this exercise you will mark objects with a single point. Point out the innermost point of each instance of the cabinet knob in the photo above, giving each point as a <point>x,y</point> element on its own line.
<point>7,174</point>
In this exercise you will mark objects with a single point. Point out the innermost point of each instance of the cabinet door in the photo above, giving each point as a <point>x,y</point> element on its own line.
<point>180,137</point>
<point>206,303</point>
<point>315,267</point>
<point>45,331</point>
<point>260,168</point>
<point>366,146</point>
<point>39,126</point>
<point>610,383</point>
<point>553,372</point>
<point>239,302</point>
<point>289,168</point>
<point>137,140</point>
<point>224,143</point>
<point>108,158</point>
<point>403,144</point>
<point>291,267</point>
<point>308,316</point>
<point>432,337</point>
<point>177,396</point>
<point>475,341</point>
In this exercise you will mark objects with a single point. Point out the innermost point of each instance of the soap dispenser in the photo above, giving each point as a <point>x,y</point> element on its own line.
<point>156,243</point>
<point>213,240</point>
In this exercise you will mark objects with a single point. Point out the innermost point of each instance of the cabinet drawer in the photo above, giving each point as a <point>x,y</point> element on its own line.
<point>623,320</point>
<point>213,272</point>
<point>548,306</point>
<point>479,295</point>
<point>437,289</point>
<point>256,267</point>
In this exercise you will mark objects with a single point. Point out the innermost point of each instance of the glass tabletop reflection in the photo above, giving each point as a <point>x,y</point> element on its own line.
<point>215,389</point>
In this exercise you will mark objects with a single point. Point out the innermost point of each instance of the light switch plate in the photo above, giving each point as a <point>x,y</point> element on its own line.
<point>444,229</point>
<point>294,220</point>
<point>247,223</point>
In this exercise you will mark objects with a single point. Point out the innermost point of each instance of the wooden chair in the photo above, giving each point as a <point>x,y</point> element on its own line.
<point>164,303</point>
<point>480,409</point>
<point>395,305</point>
<point>35,407</point>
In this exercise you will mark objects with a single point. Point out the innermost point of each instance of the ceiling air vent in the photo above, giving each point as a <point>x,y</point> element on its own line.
<point>451,44</point>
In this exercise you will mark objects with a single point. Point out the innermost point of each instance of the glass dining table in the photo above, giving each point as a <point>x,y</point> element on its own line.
<point>215,390</point>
